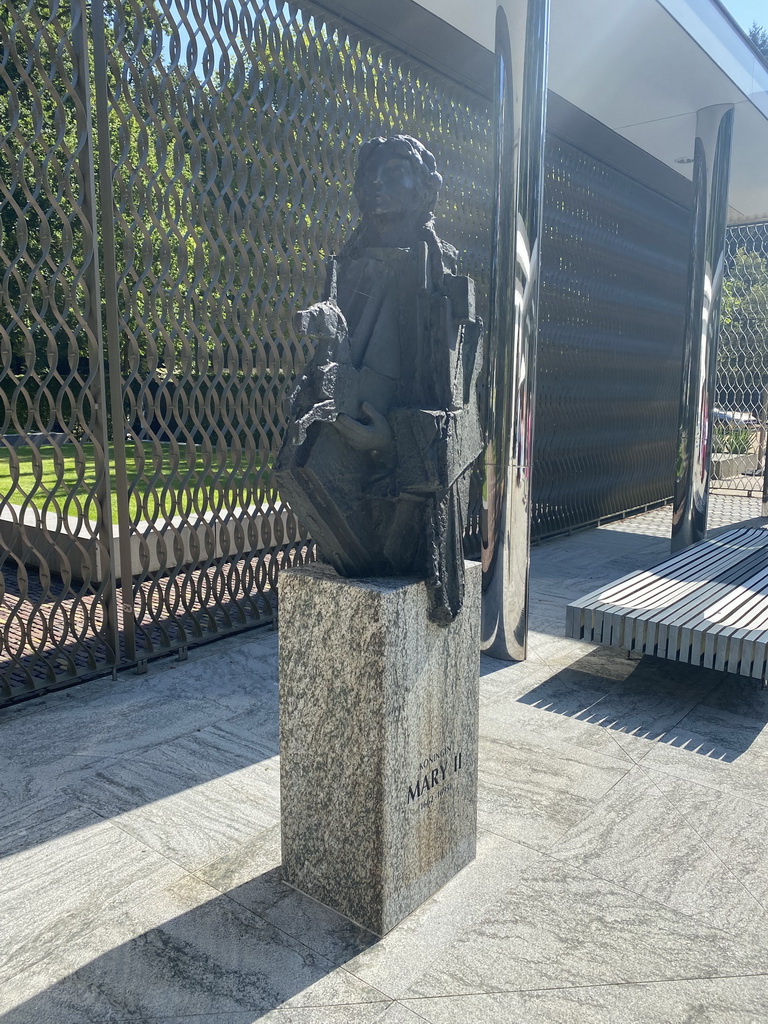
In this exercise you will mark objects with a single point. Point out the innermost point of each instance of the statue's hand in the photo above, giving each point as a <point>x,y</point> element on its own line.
<point>372,433</point>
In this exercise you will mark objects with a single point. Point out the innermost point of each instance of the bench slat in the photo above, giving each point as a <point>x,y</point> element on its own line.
<point>707,605</point>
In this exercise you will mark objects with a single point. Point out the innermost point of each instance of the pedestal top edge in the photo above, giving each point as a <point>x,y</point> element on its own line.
<point>319,571</point>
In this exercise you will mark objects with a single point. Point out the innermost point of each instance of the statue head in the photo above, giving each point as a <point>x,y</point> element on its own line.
<point>396,180</point>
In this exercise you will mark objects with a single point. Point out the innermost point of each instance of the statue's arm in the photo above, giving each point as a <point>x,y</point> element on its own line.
<point>371,433</point>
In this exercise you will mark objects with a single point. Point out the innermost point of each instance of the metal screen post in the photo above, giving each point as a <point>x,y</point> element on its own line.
<point>82,87</point>
<point>521,77</point>
<point>113,331</point>
<point>711,167</point>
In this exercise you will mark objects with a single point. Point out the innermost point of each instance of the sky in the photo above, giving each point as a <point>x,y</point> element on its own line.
<point>748,11</point>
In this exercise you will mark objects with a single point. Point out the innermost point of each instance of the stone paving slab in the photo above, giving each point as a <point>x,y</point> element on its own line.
<point>621,870</point>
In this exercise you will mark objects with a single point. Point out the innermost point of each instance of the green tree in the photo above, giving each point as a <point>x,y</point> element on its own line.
<point>41,236</point>
<point>47,356</point>
<point>759,37</point>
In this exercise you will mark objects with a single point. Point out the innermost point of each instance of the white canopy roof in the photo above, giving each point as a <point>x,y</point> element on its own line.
<point>643,68</point>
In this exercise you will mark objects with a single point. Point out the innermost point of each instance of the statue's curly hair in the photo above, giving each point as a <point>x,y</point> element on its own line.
<point>407,148</point>
<point>442,255</point>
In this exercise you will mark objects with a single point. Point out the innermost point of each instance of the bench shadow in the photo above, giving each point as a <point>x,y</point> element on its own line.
<point>696,709</point>
<point>235,957</point>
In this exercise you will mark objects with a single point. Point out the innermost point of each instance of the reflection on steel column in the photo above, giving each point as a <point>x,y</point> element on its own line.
<point>521,78</point>
<point>711,166</point>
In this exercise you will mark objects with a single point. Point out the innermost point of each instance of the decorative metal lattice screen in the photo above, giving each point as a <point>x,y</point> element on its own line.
<point>741,394</point>
<point>610,345</point>
<point>234,135</point>
<point>227,138</point>
<point>57,601</point>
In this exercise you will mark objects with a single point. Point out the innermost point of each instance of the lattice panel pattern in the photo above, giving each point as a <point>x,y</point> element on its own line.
<point>741,396</point>
<point>54,612</point>
<point>234,132</point>
<point>610,348</point>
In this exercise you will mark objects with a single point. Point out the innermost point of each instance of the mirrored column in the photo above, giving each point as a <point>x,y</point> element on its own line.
<point>711,167</point>
<point>522,30</point>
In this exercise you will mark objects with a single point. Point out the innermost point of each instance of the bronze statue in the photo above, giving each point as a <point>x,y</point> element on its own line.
<point>384,419</point>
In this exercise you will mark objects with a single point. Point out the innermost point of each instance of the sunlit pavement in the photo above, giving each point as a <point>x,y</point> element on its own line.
<point>622,868</point>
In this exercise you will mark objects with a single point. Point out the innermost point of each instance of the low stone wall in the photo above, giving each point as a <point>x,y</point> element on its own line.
<point>70,547</point>
<point>725,465</point>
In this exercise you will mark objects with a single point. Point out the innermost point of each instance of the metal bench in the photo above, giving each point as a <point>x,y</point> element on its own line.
<point>707,605</point>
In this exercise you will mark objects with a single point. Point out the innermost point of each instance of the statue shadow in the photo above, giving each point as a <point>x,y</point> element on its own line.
<point>232,957</point>
<point>697,709</point>
<point>49,795</point>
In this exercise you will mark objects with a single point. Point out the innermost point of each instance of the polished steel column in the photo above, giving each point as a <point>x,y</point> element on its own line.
<point>711,167</point>
<point>522,30</point>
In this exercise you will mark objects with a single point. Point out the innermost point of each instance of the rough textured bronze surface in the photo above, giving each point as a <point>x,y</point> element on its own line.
<point>384,420</point>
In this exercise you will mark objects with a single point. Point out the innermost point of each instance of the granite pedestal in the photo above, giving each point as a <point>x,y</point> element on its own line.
<point>378,741</point>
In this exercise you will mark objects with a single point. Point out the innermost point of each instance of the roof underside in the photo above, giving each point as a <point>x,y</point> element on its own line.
<point>644,67</point>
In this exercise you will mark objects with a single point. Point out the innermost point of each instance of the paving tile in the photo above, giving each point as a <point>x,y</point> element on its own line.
<point>251,876</point>
<point>639,839</point>
<point>189,952</point>
<point>719,1001</point>
<point>426,936</point>
<point>533,795</point>
<point>34,706</point>
<point>251,676</point>
<point>227,746</point>
<point>62,889</point>
<point>568,692</point>
<point>738,695</point>
<point>386,1012</point>
<point>22,785</point>
<point>567,735</point>
<point>560,927</point>
<point>557,652</point>
<point>72,738</point>
<point>636,701</point>
<point>547,614</point>
<point>257,726</point>
<point>42,821</point>
<point>564,729</point>
<point>716,748</point>
<point>507,681</point>
<point>161,803</point>
<point>647,699</point>
<point>735,829</point>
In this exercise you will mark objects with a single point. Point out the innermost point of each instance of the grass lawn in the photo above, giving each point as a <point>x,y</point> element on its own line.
<point>163,483</point>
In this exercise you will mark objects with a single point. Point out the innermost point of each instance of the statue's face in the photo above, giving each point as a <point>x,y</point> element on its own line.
<point>391,188</point>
